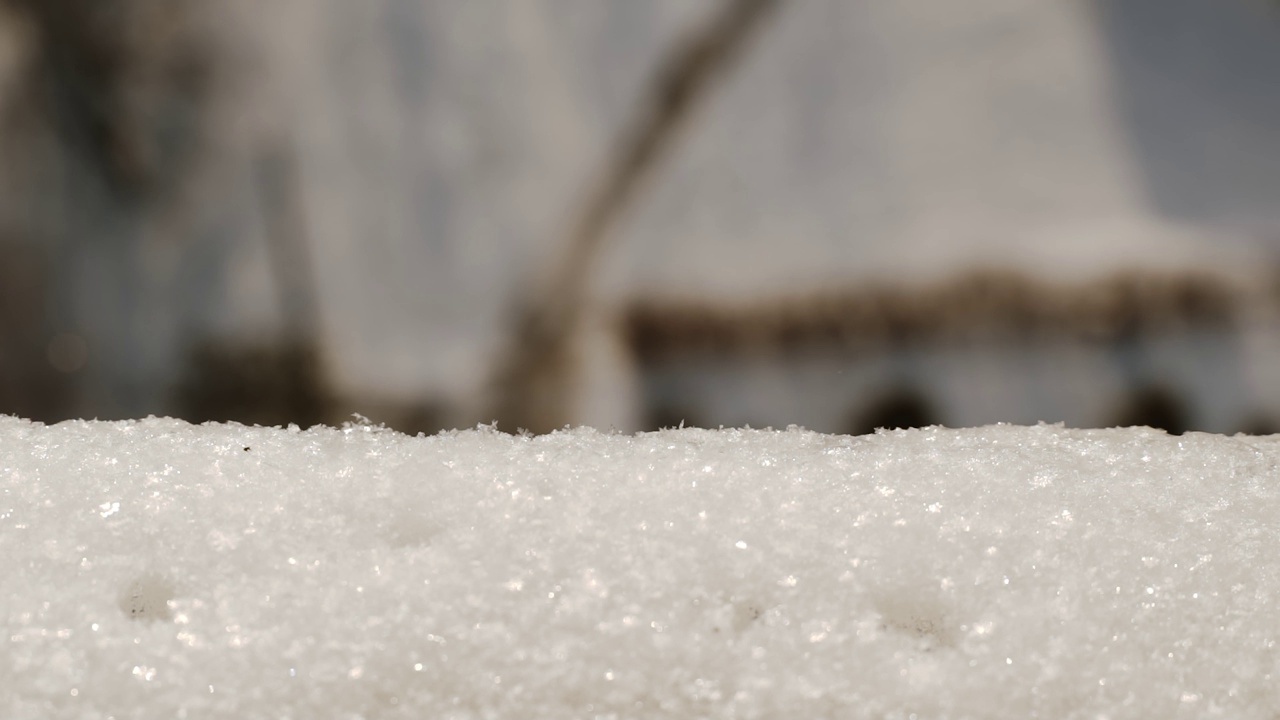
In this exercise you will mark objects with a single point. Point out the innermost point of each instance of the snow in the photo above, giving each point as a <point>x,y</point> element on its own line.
<point>155,569</point>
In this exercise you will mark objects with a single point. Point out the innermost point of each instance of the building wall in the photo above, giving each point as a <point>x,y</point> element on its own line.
<point>1180,352</point>
<point>435,153</point>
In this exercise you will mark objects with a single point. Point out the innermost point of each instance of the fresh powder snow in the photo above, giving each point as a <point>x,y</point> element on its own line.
<point>156,569</point>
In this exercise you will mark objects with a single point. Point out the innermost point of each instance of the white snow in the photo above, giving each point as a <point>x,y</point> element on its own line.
<point>156,569</point>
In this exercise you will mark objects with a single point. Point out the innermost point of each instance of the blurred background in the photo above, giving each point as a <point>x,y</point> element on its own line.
<point>842,214</point>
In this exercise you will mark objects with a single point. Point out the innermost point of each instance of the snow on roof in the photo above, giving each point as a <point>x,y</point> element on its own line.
<point>1001,304</point>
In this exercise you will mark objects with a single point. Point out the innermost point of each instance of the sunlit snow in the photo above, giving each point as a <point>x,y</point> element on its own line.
<point>157,569</point>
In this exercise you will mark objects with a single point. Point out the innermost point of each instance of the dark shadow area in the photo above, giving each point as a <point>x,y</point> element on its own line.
<point>104,128</point>
<point>253,384</point>
<point>411,417</point>
<point>661,416</point>
<point>426,418</point>
<point>282,383</point>
<point>901,407</point>
<point>31,385</point>
<point>1259,424</point>
<point>123,84</point>
<point>1154,406</point>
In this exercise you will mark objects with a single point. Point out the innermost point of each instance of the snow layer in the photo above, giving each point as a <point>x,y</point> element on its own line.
<point>157,569</point>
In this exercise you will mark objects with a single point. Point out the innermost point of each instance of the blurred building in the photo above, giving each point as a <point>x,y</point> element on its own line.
<point>323,207</point>
<point>1180,351</point>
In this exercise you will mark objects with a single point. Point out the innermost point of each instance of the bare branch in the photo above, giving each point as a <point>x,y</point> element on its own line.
<point>532,384</point>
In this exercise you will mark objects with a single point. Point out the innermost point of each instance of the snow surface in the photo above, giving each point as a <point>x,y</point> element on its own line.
<point>156,569</point>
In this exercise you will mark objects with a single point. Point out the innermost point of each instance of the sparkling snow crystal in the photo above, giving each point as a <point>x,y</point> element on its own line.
<point>157,569</point>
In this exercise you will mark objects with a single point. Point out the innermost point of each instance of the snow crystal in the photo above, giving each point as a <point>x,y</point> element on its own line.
<point>157,569</point>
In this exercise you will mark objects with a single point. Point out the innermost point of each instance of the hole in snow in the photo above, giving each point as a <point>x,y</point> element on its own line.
<point>735,615</point>
<point>409,527</point>
<point>918,616</point>
<point>147,597</point>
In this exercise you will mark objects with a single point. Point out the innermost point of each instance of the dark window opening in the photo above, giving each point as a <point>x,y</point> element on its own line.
<point>1156,407</point>
<point>664,415</point>
<point>898,408</point>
